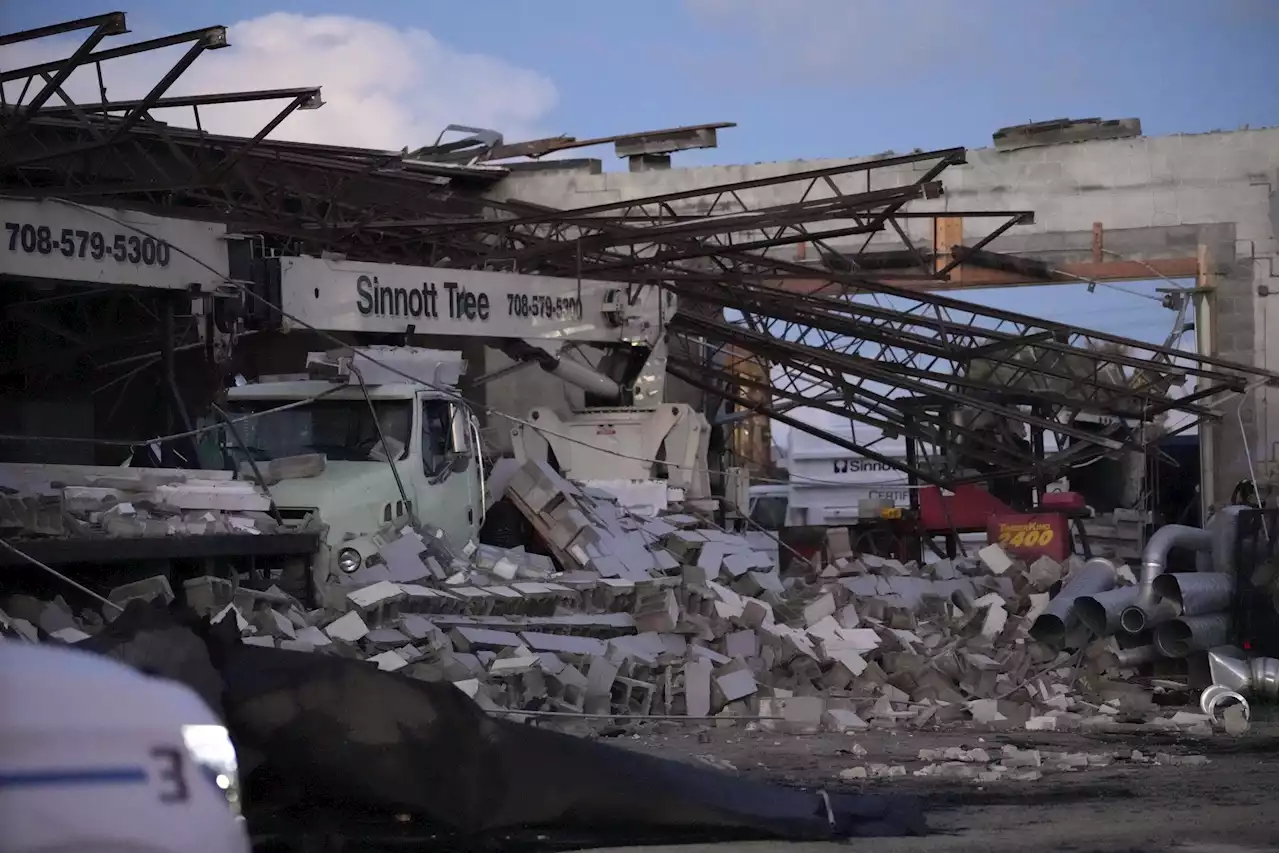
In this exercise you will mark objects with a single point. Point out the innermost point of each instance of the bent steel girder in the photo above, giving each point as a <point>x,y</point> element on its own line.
<point>978,359</point>
<point>730,265</point>
<point>295,195</point>
<point>723,385</point>
<point>877,360</point>
<point>835,336</point>
<point>878,394</point>
<point>103,25</point>
<point>1034,363</point>
<point>116,153</point>
<point>199,169</point>
<point>605,241</point>
<point>883,413</point>
<point>781,217</point>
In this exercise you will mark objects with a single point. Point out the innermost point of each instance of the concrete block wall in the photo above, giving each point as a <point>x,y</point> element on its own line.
<point>1157,197</point>
<point>1139,182</point>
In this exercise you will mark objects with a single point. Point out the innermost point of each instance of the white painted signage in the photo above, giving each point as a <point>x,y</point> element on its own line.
<point>50,240</point>
<point>828,482</point>
<point>353,296</point>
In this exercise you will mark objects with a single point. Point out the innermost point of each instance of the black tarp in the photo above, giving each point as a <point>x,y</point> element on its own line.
<point>329,733</point>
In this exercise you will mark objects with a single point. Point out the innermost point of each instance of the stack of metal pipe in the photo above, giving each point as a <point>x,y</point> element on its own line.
<point>1169,615</point>
<point>1164,614</point>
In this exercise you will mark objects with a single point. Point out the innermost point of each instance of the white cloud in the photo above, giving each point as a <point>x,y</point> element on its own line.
<point>383,87</point>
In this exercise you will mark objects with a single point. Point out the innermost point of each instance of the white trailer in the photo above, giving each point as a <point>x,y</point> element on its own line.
<point>829,485</point>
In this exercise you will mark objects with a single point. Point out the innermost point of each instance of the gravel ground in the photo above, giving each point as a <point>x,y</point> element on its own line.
<point>1228,805</point>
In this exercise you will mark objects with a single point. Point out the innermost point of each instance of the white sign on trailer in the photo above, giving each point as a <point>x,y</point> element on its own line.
<point>353,296</point>
<point>828,482</point>
<point>49,240</point>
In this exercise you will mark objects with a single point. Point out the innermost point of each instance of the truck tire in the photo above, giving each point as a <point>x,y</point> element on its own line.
<point>505,526</point>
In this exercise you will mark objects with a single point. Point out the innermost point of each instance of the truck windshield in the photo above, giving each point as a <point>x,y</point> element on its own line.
<point>770,512</point>
<point>343,430</point>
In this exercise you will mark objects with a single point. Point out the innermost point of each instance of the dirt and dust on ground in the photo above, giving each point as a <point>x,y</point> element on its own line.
<point>1159,801</point>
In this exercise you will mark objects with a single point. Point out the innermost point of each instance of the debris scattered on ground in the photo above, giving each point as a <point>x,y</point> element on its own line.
<point>62,501</point>
<point>1235,720</point>
<point>667,614</point>
<point>1013,764</point>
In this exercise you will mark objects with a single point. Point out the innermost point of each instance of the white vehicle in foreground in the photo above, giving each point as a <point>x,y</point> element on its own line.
<point>97,758</point>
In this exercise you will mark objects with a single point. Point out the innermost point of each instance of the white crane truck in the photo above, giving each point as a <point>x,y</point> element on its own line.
<point>397,440</point>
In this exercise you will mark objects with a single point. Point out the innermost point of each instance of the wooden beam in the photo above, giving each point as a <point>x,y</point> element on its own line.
<point>966,277</point>
<point>948,231</point>
<point>751,439</point>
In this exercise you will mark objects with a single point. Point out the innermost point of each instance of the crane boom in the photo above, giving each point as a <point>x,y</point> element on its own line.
<point>353,296</point>
<point>530,318</point>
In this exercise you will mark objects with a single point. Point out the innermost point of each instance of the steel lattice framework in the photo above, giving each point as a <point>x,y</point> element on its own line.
<point>963,379</point>
<point>856,335</point>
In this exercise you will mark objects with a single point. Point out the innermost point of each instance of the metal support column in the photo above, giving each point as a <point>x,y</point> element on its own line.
<point>176,418</point>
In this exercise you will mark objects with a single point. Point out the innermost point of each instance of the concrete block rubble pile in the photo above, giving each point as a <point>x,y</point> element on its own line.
<point>38,501</point>
<point>669,615</point>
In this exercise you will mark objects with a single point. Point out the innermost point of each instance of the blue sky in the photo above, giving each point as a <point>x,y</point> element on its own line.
<point>802,78</point>
<point>819,78</point>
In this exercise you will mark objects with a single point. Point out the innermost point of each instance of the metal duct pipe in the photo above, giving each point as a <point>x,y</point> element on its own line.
<point>1230,669</point>
<point>1196,593</point>
<point>1056,621</point>
<point>1137,618</point>
<point>1161,543</point>
<point>1207,590</point>
<point>1265,676</point>
<point>1133,651</point>
<point>1216,699</point>
<point>1101,613</point>
<point>1224,527</point>
<point>1188,634</point>
<point>1154,557</point>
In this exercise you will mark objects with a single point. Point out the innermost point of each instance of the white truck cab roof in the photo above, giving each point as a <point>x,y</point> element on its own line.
<point>303,388</point>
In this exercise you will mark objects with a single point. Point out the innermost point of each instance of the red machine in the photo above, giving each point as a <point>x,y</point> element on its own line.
<point>971,509</point>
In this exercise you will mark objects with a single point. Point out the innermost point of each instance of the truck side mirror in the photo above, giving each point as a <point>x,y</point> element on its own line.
<point>458,439</point>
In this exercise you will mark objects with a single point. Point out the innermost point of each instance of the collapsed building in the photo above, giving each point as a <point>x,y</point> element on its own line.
<point>625,580</point>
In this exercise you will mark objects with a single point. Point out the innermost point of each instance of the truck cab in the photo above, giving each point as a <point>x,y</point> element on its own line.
<point>393,450</point>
